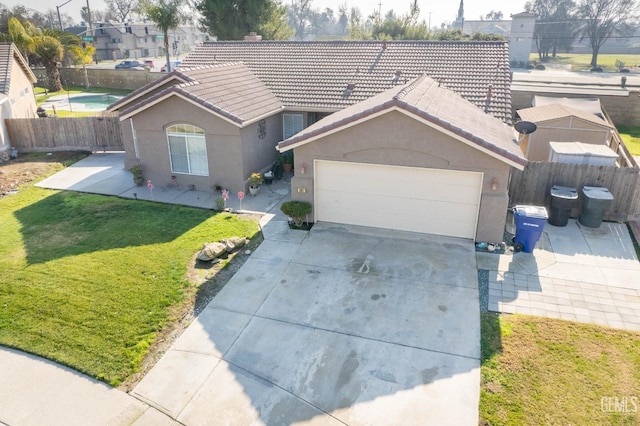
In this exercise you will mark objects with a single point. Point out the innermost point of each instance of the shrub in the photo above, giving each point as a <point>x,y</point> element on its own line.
<point>220,203</point>
<point>136,171</point>
<point>296,210</point>
<point>624,70</point>
<point>540,67</point>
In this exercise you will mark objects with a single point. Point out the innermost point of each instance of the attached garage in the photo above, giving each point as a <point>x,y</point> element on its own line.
<point>415,158</point>
<point>431,201</point>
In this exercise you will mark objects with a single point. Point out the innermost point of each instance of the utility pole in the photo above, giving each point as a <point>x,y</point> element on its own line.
<point>380,11</point>
<point>58,9</point>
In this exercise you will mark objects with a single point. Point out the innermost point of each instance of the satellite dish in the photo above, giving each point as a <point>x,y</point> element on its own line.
<point>525,127</point>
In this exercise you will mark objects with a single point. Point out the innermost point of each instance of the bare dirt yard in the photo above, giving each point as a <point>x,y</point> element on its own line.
<point>29,167</point>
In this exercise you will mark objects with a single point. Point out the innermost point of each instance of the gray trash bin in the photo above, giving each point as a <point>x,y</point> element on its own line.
<point>596,200</point>
<point>563,199</point>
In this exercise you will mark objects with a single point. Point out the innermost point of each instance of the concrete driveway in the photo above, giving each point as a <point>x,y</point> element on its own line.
<point>341,325</point>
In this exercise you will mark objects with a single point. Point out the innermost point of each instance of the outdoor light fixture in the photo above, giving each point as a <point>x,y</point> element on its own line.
<point>494,184</point>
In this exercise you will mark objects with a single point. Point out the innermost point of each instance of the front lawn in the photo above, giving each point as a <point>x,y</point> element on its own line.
<point>540,371</point>
<point>582,61</point>
<point>631,137</point>
<point>88,280</point>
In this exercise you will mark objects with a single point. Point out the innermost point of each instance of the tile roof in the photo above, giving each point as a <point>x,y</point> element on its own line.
<point>8,52</point>
<point>554,111</point>
<point>230,90</point>
<point>427,99</point>
<point>315,75</point>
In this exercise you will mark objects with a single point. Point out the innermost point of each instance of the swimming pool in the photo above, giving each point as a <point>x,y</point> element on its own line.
<point>93,102</point>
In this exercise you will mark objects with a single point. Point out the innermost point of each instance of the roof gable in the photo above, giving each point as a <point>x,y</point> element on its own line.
<point>554,111</point>
<point>8,53</point>
<point>433,104</point>
<point>331,75</point>
<point>228,90</point>
<point>139,94</point>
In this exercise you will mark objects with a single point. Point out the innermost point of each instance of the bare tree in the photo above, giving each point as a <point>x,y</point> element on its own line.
<point>601,19</point>
<point>121,9</point>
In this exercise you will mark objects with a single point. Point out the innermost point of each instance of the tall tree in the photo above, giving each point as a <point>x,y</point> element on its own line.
<point>166,15</point>
<point>555,24</point>
<point>232,20</point>
<point>406,27</point>
<point>83,56</point>
<point>300,17</point>
<point>601,19</point>
<point>121,9</point>
<point>494,15</point>
<point>50,51</point>
<point>21,36</point>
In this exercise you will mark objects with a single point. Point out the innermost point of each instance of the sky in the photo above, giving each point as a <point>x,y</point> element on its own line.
<point>441,11</point>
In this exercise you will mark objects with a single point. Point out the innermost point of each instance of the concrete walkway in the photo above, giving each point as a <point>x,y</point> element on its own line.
<point>574,273</point>
<point>104,173</point>
<point>35,391</point>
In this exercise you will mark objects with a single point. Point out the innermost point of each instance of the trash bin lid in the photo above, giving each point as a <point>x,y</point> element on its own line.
<point>597,193</point>
<point>565,192</point>
<point>531,211</point>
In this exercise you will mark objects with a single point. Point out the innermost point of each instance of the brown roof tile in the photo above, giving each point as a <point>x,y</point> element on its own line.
<point>548,112</point>
<point>315,75</point>
<point>433,102</point>
<point>230,90</point>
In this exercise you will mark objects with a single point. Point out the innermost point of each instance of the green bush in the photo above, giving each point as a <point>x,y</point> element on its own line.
<point>296,210</point>
<point>136,171</point>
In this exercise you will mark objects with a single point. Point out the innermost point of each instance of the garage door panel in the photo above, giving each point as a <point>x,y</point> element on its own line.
<point>405,198</point>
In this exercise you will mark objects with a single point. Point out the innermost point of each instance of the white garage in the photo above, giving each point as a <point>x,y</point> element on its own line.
<point>427,200</point>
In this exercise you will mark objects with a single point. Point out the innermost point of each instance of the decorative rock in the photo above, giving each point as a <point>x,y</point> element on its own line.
<point>210,251</point>
<point>234,243</point>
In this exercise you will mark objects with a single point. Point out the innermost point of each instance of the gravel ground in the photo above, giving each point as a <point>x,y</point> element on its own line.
<point>483,288</point>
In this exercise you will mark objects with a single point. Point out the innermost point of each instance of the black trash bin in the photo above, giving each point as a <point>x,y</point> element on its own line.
<point>530,222</point>
<point>563,199</point>
<point>596,200</point>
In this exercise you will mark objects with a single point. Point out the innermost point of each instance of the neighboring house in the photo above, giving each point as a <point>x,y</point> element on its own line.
<point>417,157</point>
<point>219,117</point>
<point>17,99</point>
<point>557,122</point>
<point>136,40</point>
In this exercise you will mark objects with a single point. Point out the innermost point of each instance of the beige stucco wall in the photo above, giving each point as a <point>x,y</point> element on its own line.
<point>224,147</point>
<point>396,139</point>
<point>18,103</point>
<point>233,153</point>
<point>567,129</point>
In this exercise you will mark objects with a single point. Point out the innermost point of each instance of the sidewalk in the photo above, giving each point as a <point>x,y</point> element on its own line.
<point>35,391</point>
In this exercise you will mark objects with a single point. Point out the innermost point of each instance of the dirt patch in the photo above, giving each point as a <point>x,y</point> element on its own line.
<point>33,166</point>
<point>207,280</point>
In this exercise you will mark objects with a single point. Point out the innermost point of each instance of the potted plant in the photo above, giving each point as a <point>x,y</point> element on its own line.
<point>255,180</point>
<point>287,161</point>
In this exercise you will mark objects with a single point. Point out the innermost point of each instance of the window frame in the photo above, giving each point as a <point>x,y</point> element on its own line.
<point>189,134</point>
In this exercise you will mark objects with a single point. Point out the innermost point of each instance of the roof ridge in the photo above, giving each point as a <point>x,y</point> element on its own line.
<point>407,89</point>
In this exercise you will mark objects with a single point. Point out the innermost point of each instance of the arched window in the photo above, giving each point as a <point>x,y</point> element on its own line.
<point>187,150</point>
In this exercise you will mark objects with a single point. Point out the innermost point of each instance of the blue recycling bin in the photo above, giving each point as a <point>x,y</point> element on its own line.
<point>530,222</point>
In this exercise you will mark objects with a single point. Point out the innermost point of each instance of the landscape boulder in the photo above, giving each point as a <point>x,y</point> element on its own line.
<point>211,251</point>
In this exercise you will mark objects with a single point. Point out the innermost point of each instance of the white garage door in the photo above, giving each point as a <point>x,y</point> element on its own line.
<point>432,201</point>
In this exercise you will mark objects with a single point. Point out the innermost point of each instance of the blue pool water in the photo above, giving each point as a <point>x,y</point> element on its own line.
<point>93,102</point>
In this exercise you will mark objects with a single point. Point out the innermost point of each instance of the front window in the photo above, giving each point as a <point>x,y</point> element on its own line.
<point>291,124</point>
<point>187,150</point>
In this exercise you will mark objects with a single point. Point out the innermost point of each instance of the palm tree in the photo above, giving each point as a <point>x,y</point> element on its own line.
<point>167,16</point>
<point>21,35</point>
<point>83,56</point>
<point>50,50</point>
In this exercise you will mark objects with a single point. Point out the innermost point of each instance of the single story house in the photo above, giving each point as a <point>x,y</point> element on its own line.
<point>17,99</point>
<point>560,122</point>
<point>417,157</point>
<point>219,117</point>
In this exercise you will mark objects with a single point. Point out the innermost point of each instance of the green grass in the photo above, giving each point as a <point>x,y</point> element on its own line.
<point>631,137</point>
<point>582,61</point>
<point>89,280</point>
<point>539,371</point>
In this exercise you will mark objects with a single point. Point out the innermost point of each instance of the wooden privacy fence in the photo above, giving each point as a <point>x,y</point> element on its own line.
<point>98,133</point>
<point>532,185</point>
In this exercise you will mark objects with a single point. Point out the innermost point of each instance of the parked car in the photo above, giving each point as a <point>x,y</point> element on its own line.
<point>173,64</point>
<point>148,63</point>
<point>127,65</point>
